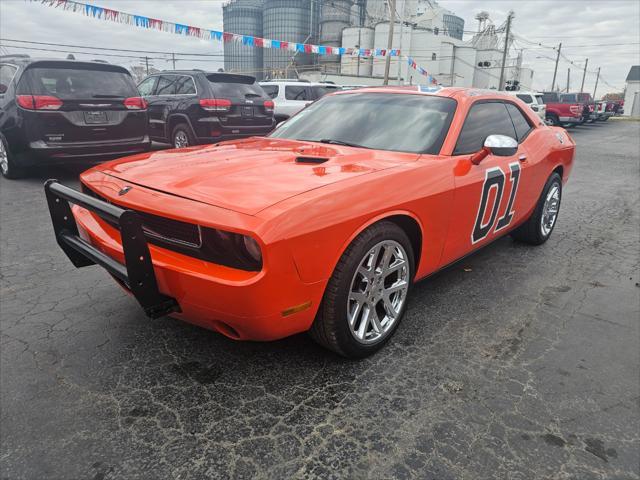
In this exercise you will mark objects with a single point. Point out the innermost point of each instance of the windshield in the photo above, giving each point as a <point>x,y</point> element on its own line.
<point>398,122</point>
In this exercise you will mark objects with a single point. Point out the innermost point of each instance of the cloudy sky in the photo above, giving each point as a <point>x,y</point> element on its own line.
<point>605,31</point>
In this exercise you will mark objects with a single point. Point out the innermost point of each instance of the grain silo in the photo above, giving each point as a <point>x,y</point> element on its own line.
<point>243,17</point>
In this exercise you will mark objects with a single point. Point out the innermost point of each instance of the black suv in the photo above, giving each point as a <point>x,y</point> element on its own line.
<point>61,111</point>
<point>189,107</point>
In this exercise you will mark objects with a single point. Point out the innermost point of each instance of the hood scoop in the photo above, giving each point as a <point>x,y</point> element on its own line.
<point>311,160</point>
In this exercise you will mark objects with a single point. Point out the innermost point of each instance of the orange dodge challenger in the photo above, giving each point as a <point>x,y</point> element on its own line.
<point>323,225</point>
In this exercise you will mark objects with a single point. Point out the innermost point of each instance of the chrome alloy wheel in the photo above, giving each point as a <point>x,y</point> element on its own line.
<point>4,158</point>
<point>550,210</point>
<point>378,291</point>
<point>180,140</point>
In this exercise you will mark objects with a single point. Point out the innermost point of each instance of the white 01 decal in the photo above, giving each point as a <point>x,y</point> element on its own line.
<point>494,178</point>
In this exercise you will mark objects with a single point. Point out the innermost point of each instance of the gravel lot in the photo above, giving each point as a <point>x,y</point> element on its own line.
<point>524,367</point>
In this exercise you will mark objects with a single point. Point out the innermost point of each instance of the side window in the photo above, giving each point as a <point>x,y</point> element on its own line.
<point>524,98</point>
<point>185,86</point>
<point>484,119</point>
<point>146,87</point>
<point>519,121</point>
<point>295,92</point>
<point>166,85</point>
<point>7,72</point>
<point>271,90</point>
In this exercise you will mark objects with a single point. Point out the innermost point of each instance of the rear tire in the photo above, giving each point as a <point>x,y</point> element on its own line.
<point>537,229</point>
<point>181,136</point>
<point>553,121</point>
<point>366,297</point>
<point>8,167</point>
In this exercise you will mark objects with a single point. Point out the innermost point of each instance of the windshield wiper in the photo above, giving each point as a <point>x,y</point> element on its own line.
<point>331,141</point>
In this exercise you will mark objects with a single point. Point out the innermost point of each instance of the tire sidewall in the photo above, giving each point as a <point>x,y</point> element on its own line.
<point>383,231</point>
<point>13,171</point>
<point>552,180</point>
<point>182,127</point>
<point>553,121</point>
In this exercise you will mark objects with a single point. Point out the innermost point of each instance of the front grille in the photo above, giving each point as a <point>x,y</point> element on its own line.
<point>162,228</point>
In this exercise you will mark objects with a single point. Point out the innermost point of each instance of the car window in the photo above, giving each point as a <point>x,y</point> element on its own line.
<point>227,85</point>
<point>396,122</point>
<point>549,98</point>
<point>80,83</point>
<point>271,90</point>
<point>166,85</point>
<point>484,119</point>
<point>568,98</point>
<point>524,98</point>
<point>540,99</point>
<point>185,86</point>
<point>520,123</point>
<point>7,73</point>
<point>296,92</point>
<point>146,86</point>
<point>320,91</point>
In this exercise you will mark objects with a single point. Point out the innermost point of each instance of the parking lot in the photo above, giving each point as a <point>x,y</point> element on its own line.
<point>516,363</point>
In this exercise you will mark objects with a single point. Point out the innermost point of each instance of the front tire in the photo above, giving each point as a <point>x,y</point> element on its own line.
<point>537,229</point>
<point>181,137</point>
<point>8,167</point>
<point>367,294</point>
<point>553,120</point>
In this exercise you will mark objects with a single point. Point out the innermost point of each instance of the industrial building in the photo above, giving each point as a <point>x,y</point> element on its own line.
<point>423,30</point>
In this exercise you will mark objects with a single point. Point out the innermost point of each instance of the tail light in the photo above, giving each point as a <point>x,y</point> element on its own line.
<point>215,104</point>
<point>135,103</point>
<point>38,102</point>
<point>268,106</point>
<point>575,109</point>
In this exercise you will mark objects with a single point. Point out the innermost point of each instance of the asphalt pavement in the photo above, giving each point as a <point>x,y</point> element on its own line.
<point>518,363</point>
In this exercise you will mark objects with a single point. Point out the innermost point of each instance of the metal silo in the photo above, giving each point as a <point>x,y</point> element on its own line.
<point>334,17</point>
<point>243,17</point>
<point>288,21</point>
<point>352,64</point>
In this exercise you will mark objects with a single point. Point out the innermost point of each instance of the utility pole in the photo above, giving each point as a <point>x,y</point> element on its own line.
<point>555,70</point>
<point>453,65</point>
<point>584,74</point>
<point>568,78</point>
<point>146,62</point>
<point>596,87</point>
<point>392,21</point>
<point>173,59</point>
<point>504,52</point>
<point>400,43</point>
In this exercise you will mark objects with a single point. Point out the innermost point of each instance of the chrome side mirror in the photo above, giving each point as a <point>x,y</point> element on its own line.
<point>501,145</point>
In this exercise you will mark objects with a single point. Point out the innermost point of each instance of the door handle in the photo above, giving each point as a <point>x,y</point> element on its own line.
<point>522,157</point>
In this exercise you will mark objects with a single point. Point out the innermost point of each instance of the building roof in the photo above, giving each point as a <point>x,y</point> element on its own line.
<point>634,74</point>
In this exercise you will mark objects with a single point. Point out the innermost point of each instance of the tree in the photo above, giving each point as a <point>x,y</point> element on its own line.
<point>614,97</point>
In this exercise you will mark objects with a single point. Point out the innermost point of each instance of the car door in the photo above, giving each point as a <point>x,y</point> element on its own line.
<point>486,199</point>
<point>296,98</point>
<point>146,89</point>
<point>160,104</point>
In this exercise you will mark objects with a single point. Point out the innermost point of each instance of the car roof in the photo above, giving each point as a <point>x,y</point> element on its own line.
<point>524,92</point>
<point>27,62</point>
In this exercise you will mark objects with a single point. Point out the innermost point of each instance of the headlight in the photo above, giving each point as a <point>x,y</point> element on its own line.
<point>231,249</point>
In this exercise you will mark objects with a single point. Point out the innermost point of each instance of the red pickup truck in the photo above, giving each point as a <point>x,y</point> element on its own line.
<point>562,113</point>
<point>589,113</point>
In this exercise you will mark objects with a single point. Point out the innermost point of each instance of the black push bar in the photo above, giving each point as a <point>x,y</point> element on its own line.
<point>137,273</point>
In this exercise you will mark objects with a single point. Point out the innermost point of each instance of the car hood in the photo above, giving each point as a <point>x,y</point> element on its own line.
<point>250,175</point>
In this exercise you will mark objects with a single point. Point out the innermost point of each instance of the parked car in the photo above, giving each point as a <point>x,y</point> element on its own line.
<point>560,113</point>
<point>191,107</point>
<point>61,111</point>
<point>324,225</point>
<point>588,104</point>
<point>533,100</point>
<point>291,96</point>
<point>603,110</point>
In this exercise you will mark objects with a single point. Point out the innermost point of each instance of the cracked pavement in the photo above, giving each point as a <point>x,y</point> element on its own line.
<point>518,363</point>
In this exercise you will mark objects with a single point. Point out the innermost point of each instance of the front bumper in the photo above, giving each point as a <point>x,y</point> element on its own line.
<point>266,305</point>
<point>570,119</point>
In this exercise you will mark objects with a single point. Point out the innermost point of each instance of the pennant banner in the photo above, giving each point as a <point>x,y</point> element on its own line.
<point>412,63</point>
<point>226,37</point>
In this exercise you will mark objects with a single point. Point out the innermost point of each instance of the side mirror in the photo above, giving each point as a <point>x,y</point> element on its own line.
<point>499,145</point>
